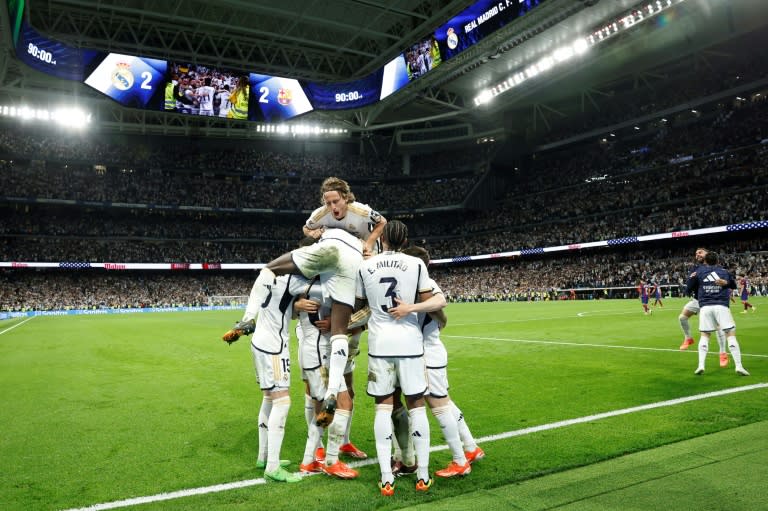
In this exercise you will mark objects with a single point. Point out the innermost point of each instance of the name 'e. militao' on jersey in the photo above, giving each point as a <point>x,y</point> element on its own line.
<point>381,279</point>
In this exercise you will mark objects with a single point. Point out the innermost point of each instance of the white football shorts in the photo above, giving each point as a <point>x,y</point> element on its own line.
<point>317,379</point>
<point>692,306</point>
<point>384,374</point>
<point>436,359</point>
<point>711,316</point>
<point>273,372</point>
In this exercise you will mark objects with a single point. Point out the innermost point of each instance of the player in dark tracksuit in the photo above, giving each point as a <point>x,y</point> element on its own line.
<point>714,302</point>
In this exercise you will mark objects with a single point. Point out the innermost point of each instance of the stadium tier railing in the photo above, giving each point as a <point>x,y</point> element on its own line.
<point>626,240</point>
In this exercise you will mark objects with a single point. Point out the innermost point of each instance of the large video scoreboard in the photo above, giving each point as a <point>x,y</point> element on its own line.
<point>194,89</point>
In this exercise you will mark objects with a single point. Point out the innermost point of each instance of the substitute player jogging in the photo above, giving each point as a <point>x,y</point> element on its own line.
<point>714,302</point>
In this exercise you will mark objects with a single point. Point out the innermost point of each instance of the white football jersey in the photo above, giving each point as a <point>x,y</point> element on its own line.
<point>205,97</point>
<point>435,354</point>
<point>273,321</point>
<point>359,220</point>
<point>430,328</point>
<point>224,104</point>
<point>311,337</point>
<point>381,279</point>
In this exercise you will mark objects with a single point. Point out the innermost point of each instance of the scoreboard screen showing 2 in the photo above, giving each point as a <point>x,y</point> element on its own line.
<point>148,83</point>
<point>276,99</point>
<point>131,81</point>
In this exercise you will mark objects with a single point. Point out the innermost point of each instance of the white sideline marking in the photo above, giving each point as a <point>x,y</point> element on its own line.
<point>586,345</point>
<point>14,326</point>
<point>526,431</point>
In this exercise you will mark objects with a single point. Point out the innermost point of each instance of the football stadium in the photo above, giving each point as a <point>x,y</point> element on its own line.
<point>369,254</point>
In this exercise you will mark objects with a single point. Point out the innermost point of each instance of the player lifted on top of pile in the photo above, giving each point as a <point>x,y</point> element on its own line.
<point>346,231</point>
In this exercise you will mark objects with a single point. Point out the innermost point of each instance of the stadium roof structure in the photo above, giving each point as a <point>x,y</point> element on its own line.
<point>344,40</point>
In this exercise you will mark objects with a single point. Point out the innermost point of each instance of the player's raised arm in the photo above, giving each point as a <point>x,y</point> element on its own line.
<point>373,237</point>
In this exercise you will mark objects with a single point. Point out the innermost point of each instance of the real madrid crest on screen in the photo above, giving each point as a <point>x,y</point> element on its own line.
<point>122,78</point>
<point>451,39</point>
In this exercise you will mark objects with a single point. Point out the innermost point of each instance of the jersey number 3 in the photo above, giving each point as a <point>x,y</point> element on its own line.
<point>390,293</point>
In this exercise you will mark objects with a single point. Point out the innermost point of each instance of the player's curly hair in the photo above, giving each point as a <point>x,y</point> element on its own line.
<point>419,252</point>
<point>395,234</point>
<point>336,184</point>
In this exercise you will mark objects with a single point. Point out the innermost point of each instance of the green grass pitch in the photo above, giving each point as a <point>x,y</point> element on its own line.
<point>99,409</point>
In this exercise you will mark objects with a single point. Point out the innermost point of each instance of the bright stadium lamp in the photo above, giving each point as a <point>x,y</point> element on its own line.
<point>580,46</point>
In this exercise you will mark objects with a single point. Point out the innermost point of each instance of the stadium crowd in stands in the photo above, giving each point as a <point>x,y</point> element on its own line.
<point>542,208</point>
<point>604,275</point>
<point>58,196</point>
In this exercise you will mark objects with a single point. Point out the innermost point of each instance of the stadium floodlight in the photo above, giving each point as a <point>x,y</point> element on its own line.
<point>546,64</point>
<point>484,97</point>
<point>562,54</point>
<point>71,117</point>
<point>579,46</point>
<point>26,113</point>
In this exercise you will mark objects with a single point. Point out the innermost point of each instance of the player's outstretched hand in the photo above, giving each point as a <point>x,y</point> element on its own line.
<point>241,328</point>
<point>401,310</point>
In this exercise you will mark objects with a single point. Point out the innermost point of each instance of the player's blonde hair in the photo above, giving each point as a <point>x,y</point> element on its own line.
<point>336,184</point>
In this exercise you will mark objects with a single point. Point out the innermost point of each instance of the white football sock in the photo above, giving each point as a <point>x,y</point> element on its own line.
<point>314,435</point>
<point>420,435</point>
<point>266,407</point>
<point>703,348</point>
<point>276,433</point>
<point>382,431</point>
<point>735,349</point>
<point>309,410</point>
<point>721,340</point>
<point>403,436</point>
<point>337,364</point>
<point>466,436</point>
<point>336,435</point>
<point>349,427</point>
<point>450,427</point>
<point>685,325</point>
